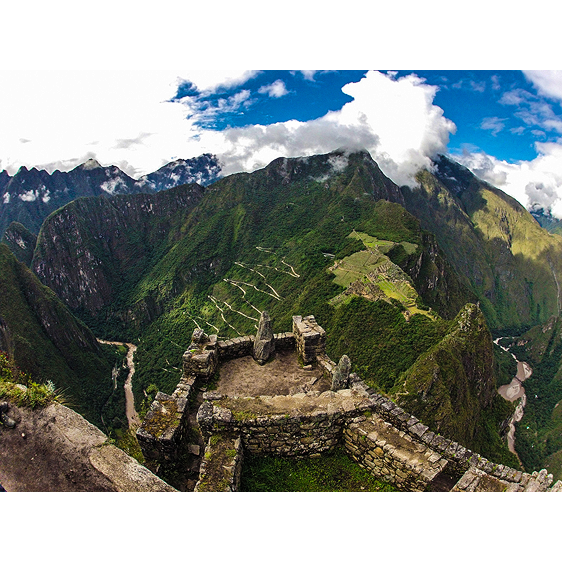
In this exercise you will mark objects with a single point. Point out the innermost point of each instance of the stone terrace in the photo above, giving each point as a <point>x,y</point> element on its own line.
<point>280,394</point>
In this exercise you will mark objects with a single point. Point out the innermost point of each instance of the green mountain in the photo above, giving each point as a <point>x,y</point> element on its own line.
<point>94,251</point>
<point>497,248</point>
<point>20,241</point>
<point>48,343</point>
<point>327,235</point>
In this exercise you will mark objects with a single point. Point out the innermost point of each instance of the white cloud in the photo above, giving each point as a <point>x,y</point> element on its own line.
<point>535,184</point>
<point>124,118</point>
<point>275,90</point>
<point>547,82</point>
<point>112,186</point>
<point>493,124</point>
<point>395,120</point>
<point>29,196</point>
<point>212,80</point>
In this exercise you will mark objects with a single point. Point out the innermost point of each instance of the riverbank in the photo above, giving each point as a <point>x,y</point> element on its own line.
<point>133,418</point>
<point>515,391</point>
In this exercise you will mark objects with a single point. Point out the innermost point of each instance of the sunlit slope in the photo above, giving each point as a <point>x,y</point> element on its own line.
<point>498,248</point>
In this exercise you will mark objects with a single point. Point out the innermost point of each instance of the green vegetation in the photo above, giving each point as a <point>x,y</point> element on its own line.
<point>268,241</point>
<point>485,233</point>
<point>17,386</point>
<point>335,472</point>
<point>46,341</point>
<point>538,436</point>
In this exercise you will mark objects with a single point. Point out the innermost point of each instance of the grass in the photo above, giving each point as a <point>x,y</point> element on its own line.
<point>30,394</point>
<point>335,472</point>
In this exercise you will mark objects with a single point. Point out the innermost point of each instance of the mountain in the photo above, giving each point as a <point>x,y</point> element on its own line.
<point>31,195</point>
<point>204,170</point>
<point>407,282</point>
<point>93,252</point>
<point>327,235</point>
<point>496,247</point>
<point>547,221</point>
<point>20,241</point>
<point>48,343</point>
<point>453,386</point>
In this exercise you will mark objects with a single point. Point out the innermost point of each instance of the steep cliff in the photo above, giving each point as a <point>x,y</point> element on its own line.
<point>93,251</point>
<point>452,386</point>
<point>21,242</point>
<point>48,342</point>
<point>156,266</point>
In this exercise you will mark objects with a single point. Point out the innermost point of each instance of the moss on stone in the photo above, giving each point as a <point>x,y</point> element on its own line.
<point>161,419</point>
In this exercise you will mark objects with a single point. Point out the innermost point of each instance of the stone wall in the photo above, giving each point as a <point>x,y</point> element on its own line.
<point>222,465</point>
<point>310,339</point>
<point>166,423</point>
<point>392,444</point>
<point>391,455</point>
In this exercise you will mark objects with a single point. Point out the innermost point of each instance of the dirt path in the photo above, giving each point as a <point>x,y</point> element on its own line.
<point>132,416</point>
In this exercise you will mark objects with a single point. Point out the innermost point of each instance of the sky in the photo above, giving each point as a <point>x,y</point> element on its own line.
<point>506,126</point>
<point>139,87</point>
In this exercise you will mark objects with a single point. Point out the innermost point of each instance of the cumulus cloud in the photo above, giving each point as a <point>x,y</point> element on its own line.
<point>547,82</point>
<point>275,90</point>
<point>132,120</point>
<point>536,184</point>
<point>394,119</point>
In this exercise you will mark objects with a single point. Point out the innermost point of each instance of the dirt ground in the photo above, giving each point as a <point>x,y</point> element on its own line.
<point>281,376</point>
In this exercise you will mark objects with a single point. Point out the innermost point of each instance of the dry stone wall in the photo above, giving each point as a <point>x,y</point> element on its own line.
<point>221,468</point>
<point>392,444</point>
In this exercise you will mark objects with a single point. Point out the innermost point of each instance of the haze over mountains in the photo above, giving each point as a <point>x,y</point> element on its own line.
<point>407,282</point>
<point>30,195</point>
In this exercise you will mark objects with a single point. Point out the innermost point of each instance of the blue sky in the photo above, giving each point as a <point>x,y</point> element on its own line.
<point>506,126</point>
<point>478,102</point>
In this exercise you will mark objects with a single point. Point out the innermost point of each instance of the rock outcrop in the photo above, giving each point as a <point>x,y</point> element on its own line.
<point>54,449</point>
<point>264,344</point>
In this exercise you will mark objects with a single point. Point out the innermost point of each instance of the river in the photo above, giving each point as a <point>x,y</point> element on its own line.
<point>132,416</point>
<point>515,391</point>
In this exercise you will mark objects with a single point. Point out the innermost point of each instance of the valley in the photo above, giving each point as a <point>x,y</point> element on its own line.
<point>410,283</point>
<point>132,415</point>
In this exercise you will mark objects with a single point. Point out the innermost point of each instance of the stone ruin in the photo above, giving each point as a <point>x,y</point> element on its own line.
<point>379,435</point>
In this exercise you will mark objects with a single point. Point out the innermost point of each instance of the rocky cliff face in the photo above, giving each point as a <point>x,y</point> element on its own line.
<point>47,342</point>
<point>92,249</point>
<point>21,242</point>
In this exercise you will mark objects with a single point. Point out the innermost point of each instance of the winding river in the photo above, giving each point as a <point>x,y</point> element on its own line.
<point>515,391</point>
<point>132,416</point>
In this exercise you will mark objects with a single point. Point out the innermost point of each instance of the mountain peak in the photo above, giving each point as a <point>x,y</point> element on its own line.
<point>90,164</point>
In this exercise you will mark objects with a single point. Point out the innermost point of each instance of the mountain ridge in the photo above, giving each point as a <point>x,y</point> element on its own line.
<point>31,195</point>
<point>267,240</point>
